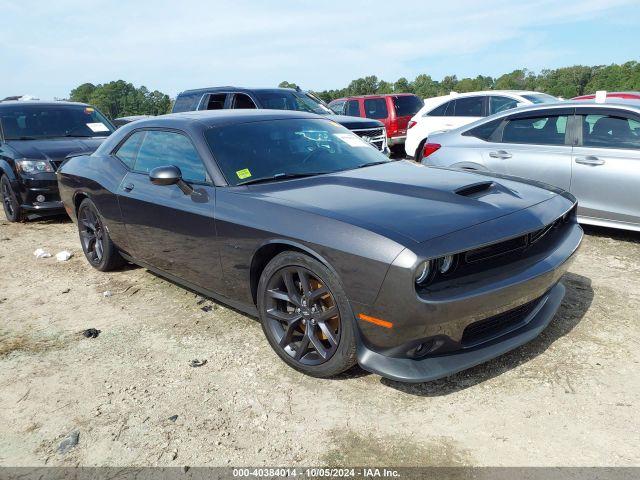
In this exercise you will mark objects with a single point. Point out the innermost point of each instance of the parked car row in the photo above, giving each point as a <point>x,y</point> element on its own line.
<point>219,98</point>
<point>589,149</point>
<point>455,110</point>
<point>268,201</point>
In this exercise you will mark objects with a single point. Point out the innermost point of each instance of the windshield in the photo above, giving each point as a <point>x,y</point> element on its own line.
<point>290,100</point>
<point>540,98</point>
<point>33,122</point>
<point>266,149</point>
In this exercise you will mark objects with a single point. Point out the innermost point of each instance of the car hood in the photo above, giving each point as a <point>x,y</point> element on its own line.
<point>53,149</point>
<point>355,123</point>
<point>405,200</point>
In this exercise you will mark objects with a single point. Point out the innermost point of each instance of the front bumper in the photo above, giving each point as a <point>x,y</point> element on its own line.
<point>445,324</point>
<point>393,141</point>
<point>432,368</point>
<point>29,188</point>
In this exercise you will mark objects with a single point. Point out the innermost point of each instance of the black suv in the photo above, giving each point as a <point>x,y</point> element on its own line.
<point>35,138</point>
<point>218,98</point>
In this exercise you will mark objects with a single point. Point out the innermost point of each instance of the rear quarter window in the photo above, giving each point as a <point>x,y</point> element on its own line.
<point>376,108</point>
<point>186,102</point>
<point>484,131</point>
<point>407,105</point>
<point>445,109</point>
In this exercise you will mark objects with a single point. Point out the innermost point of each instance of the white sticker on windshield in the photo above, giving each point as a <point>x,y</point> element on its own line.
<point>98,127</point>
<point>351,140</point>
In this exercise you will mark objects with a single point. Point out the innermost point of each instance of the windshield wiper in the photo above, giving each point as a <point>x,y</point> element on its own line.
<point>280,176</point>
<point>24,138</point>
<point>362,165</point>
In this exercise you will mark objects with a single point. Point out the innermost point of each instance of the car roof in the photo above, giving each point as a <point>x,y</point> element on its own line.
<point>374,95</point>
<point>211,118</point>
<point>237,89</point>
<point>610,102</point>
<point>14,103</point>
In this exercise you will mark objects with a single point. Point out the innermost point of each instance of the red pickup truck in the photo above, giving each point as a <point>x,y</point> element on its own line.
<point>394,110</point>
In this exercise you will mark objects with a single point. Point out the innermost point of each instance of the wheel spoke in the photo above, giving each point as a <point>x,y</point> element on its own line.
<point>304,281</point>
<point>99,250</point>
<point>327,314</point>
<point>294,295</point>
<point>328,333</point>
<point>302,347</point>
<point>279,295</point>
<point>317,293</point>
<point>288,318</point>
<point>317,344</point>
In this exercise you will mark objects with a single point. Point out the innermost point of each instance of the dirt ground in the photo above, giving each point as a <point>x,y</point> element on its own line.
<point>570,397</point>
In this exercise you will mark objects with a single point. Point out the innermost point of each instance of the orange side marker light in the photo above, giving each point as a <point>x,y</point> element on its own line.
<point>375,321</point>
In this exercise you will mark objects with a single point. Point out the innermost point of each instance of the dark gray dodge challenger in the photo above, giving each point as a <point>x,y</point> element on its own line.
<point>346,257</point>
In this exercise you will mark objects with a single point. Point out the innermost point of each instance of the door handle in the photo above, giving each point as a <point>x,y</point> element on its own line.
<point>500,154</point>
<point>128,187</point>
<point>590,160</point>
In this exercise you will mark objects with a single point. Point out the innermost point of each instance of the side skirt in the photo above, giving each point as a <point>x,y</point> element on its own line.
<point>250,310</point>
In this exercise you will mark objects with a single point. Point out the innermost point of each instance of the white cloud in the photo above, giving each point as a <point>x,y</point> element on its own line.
<point>172,45</point>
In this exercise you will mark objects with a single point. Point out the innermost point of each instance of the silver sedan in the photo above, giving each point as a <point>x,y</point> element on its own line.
<point>589,149</point>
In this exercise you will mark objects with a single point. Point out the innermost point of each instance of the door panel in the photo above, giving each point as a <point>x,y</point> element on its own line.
<point>606,177</point>
<point>167,229</point>
<point>606,183</point>
<point>533,146</point>
<point>170,230</point>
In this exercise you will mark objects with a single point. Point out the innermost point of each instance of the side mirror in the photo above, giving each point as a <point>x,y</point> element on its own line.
<point>169,175</point>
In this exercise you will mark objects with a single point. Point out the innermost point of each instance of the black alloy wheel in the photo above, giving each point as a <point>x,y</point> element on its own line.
<point>306,315</point>
<point>91,235</point>
<point>9,201</point>
<point>97,246</point>
<point>303,316</point>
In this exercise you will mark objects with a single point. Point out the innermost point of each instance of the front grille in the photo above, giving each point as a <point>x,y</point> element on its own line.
<point>369,132</point>
<point>494,326</point>
<point>374,136</point>
<point>514,244</point>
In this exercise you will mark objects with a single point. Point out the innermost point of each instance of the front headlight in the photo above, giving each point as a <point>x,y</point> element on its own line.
<point>423,272</point>
<point>33,166</point>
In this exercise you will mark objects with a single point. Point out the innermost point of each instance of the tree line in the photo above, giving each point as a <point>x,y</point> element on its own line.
<point>120,98</point>
<point>564,82</point>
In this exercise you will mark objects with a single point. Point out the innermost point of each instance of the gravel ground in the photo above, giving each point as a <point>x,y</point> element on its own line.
<point>567,398</point>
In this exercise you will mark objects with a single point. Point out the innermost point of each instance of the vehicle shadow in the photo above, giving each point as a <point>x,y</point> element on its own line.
<point>613,233</point>
<point>48,219</point>
<point>575,305</point>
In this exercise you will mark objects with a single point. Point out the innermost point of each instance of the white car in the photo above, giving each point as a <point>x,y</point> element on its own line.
<point>458,109</point>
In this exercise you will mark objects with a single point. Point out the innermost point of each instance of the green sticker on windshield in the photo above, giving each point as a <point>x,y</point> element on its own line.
<point>244,173</point>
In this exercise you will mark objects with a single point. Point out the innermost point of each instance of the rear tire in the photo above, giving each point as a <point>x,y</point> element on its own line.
<point>306,316</point>
<point>10,202</point>
<point>97,246</point>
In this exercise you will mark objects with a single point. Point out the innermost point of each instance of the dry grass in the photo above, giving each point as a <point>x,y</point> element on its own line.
<point>26,344</point>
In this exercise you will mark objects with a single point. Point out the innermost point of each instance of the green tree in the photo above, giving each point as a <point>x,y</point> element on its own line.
<point>82,92</point>
<point>285,84</point>
<point>402,85</point>
<point>119,98</point>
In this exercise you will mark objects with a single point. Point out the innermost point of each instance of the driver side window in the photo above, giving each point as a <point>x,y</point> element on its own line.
<point>146,150</point>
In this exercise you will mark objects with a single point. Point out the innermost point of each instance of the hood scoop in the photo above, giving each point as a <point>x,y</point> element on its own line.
<point>475,189</point>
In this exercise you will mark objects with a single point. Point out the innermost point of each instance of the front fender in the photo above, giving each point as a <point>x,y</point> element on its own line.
<point>7,170</point>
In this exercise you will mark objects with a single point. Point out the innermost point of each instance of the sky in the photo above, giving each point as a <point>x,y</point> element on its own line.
<point>49,47</point>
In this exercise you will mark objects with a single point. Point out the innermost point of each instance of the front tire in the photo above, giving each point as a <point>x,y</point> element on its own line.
<point>306,316</point>
<point>10,202</point>
<point>97,246</point>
